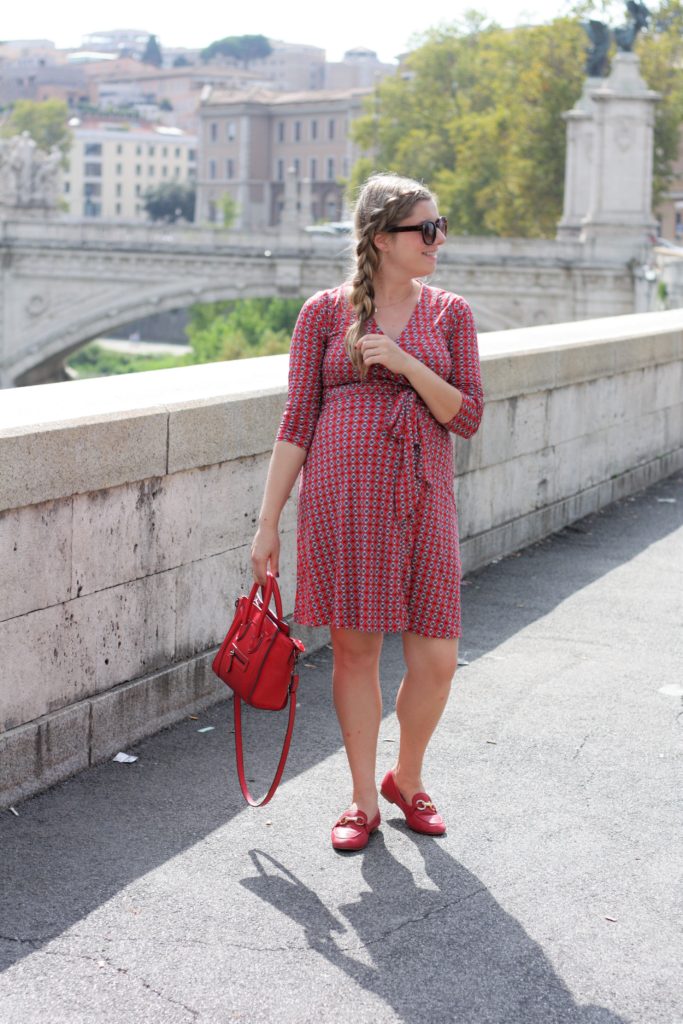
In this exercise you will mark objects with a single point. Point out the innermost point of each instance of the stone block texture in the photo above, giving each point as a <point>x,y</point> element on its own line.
<point>125,536</point>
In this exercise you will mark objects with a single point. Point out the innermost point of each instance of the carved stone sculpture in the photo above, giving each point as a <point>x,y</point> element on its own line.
<point>29,178</point>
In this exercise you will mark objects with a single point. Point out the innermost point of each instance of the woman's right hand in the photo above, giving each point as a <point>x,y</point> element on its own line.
<point>265,553</point>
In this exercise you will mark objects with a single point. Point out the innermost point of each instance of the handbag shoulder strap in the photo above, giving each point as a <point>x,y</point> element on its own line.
<point>239,750</point>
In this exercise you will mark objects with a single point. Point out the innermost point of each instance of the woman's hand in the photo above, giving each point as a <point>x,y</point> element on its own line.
<point>265,548</point>
<point>378,348</point>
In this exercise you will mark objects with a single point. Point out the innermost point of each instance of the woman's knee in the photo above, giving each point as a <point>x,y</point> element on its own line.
<point>356,650</point>
<point>430,658</point>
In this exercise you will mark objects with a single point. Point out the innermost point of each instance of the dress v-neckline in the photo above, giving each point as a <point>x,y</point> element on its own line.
<point>375,321</point>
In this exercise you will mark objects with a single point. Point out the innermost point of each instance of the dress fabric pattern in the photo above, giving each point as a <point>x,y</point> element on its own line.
<point>377,531</point>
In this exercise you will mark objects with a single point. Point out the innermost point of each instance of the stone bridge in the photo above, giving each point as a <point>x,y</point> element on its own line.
<point>63,283</point>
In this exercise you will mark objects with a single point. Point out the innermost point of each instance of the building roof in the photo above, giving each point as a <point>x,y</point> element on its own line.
<point>268,97</point>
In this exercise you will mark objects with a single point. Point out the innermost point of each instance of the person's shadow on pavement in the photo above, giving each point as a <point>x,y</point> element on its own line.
<point>450,953</point>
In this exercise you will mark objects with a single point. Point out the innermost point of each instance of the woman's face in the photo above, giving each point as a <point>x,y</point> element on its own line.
<point>405,251</point>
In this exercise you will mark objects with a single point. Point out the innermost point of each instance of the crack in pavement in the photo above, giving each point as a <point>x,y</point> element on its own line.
<point>104,961</point>
<point>414,920</point>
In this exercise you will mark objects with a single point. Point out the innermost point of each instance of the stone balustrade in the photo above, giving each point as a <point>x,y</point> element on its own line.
<point>128,504</point>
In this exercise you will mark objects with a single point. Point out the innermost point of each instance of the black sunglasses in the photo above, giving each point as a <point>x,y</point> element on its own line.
<point>428,228</point>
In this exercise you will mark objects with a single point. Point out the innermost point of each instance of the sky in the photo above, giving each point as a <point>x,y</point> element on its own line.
<point>386,27</point>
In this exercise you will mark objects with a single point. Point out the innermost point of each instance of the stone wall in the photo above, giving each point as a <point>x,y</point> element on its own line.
<point>127,508</point>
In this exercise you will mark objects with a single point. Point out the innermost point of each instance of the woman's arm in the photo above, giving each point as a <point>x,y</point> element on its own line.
<point>285,464</point>
<point>295,432</point>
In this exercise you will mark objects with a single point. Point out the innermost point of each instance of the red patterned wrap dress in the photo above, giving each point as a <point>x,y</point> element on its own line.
<point>377,530</point>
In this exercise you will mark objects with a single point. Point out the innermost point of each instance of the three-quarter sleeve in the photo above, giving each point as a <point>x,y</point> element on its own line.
<point>466,371</point>
<point>305,372</point>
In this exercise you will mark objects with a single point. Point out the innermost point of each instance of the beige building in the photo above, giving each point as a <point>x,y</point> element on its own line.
<point>113,163</point>
<point>249,141</point>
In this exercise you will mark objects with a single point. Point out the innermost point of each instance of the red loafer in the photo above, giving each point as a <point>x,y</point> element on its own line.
<point>352,831</point>
<point>421,814</point>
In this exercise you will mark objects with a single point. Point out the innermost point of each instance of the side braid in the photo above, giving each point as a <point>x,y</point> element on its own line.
<point>385,199</point>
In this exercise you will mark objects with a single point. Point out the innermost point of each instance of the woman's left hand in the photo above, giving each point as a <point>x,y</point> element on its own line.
<point>378,348</point>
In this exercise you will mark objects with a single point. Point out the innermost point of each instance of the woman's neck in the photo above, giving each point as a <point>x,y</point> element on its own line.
<point>394,291</point>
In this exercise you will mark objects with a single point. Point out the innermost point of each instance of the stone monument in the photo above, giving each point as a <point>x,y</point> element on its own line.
<point>610,138</point>
<point>29,178</point>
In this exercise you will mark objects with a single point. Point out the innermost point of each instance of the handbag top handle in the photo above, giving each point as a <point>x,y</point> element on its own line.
<point>271,589</point>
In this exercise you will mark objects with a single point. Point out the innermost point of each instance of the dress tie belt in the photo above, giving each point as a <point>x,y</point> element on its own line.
<point>403,425</point>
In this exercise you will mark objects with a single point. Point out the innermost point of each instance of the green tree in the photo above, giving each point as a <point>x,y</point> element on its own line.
<point>241,329</point>
<point>228,207</point>
<point>152,54</point>
<point>661,64</point>
<point>171,201</point>
<point>45,121</point>
<point>240,48</point>
<point>476,112</point>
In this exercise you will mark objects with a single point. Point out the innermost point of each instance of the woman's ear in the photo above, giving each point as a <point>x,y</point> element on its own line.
<point>381,241</point>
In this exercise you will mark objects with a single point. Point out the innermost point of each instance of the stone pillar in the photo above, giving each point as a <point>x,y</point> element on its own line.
<point>306,203</point>
<point>619,221</point>
<point>290,213</point>
<point>578,172</point>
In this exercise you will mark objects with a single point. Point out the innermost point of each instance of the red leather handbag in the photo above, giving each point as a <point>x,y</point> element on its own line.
<point>257,660</point>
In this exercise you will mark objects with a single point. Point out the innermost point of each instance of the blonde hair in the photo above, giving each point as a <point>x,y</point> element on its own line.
<point>384,201</point>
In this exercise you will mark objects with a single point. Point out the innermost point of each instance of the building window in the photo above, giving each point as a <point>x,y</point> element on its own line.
<point>119,168</point>
<point>164,171</point>
<point>296,164</point>
<point>91,209</point>
<point>280,172</point>
<point>297,131</point>
<point>191,155</point>
<point>138,190</point>
<point>138,169</point>
<point>119,149</point>
<point>93,149</point>
<point>176,172</point>
<point>118,190</point>
<point>212,169</point>
<point>229,168</point>
<point>330,168</point>
<point>177,153</point>
<point>93,170</point>
<point>231,131</point>
<point>137,208</point>
<point>164,152</point>
<point>314,168</point>
<point>314,130</point>
<point>150,150</point>
<point>150,171</point>
<point>330,128</point>
<point>212,211</point>
<point>118,209</point>
<point>281,131</point>
<point>138,150</point>
<point>214,131</point>
<point>92,188</point>
<point>67,186</point>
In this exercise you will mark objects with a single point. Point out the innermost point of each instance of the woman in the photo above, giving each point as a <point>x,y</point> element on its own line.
<point>381,371</point>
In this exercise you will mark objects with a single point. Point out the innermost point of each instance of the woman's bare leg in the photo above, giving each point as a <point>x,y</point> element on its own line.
<point>358,702</point>
<point>422,697</point>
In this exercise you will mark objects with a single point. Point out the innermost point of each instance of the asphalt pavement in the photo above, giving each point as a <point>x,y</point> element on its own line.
<point>148,892</point>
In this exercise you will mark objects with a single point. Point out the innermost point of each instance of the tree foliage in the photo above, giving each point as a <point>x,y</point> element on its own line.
<point>45,121</point>
<point>152,54</point>
<point>241,329</point>
<point>476,112</point>
<point>239,48</point>
<point>171,201</point>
